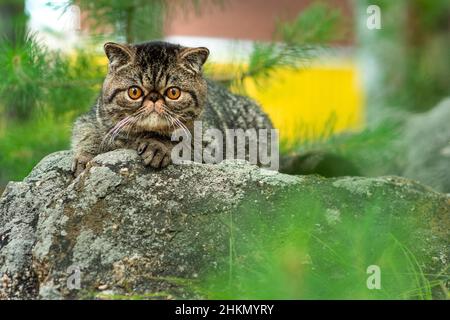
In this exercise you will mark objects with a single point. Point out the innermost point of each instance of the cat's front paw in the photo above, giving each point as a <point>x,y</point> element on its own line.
<point>155,153</point>
<point>79,163</point>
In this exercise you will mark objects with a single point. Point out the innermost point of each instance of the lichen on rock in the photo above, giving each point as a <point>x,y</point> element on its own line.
<point>127,228</point>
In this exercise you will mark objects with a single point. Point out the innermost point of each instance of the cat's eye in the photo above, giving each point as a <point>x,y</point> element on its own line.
<point>135,92</point>
<point>173,93</point>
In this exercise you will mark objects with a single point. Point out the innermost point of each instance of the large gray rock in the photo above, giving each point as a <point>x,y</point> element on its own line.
<point>426,139</point>
<point>127,228</point>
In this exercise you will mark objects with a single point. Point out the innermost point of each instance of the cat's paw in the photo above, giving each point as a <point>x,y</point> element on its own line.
<point>155,153</point>
<point>79,163</point>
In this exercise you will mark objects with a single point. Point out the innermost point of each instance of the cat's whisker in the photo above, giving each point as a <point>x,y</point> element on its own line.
<point>131,121</point>
<point>166,109</point>
<point>121,126</point>
<point>103,144</point>
<point>112,134</point>
<point>179,124</point>
<point>127,124</point>
<point>130,127</point>
<point>169,119</point>
<point>175,118</point>
<point>173,123</point>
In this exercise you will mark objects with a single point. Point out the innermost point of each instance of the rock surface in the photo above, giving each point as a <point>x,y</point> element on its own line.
<point>426,139</point>
<point>125,228</point>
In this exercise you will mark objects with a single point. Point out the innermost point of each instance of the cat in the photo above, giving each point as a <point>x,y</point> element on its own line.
<point>150,90</point>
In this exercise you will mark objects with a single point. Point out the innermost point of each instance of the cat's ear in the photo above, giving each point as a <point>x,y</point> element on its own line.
<point>118,54</point>
<point>194,58</point>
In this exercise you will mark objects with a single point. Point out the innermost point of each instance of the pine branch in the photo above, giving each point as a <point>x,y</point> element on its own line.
<point>34,78</point>
<point>295,45</point>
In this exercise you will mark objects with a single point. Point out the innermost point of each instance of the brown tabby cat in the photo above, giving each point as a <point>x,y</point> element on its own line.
<point>150,90</point>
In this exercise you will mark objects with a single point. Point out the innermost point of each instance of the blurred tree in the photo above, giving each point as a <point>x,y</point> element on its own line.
<point>12,19</point>
<point>133,20</point>
<point>37,79</point>
<point>43,90</point>
<point>427,72</point>
<point>13,31</point>
<point>409,54</point>
<point>295,44</point>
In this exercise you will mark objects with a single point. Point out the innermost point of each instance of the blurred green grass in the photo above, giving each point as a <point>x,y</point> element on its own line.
<point>307,252</point>
<point>23,144</point>
<point>375,150</point>
<point>41,93</point>
<point>284,257</point>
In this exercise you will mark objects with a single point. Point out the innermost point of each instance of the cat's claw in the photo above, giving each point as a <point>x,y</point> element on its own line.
<point>154,153</point>
<point>79,164</point>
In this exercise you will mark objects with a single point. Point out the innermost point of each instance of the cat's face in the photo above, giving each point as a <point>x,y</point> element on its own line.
<point>153,87</point>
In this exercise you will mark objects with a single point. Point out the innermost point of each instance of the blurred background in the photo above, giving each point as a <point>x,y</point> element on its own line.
<point>354,90</point>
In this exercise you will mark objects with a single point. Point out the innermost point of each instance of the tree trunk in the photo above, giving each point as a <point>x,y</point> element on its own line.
<point>13,20</point>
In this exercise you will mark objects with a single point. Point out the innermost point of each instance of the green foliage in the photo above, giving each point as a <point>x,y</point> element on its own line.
<point>76,85</point>
<point>133,20</point>
<point>41,92</point>
<point>36,79</point>
<point>23,144</point>
<point>295,44</point>
<point>149,296</point>
<point>41,84</point>
<point>308,252</point>
<point>373,151</point>
<point>412,50</point>
<point>318,24</point>
<point>22,65</point>
<point>13,20</point>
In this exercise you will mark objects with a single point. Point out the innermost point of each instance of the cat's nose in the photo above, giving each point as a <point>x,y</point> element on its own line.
<point>154,96</point>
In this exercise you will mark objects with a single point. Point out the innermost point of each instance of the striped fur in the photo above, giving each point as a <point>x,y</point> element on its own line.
<point>117,121</point>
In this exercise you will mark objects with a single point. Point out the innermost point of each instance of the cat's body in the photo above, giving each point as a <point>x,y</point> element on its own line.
<point>152,89</point>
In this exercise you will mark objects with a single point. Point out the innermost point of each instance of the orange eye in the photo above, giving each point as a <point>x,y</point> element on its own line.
<point>173,93</point>
<point>134,92</point>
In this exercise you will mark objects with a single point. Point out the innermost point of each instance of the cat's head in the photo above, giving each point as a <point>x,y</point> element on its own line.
<point>154,86</point>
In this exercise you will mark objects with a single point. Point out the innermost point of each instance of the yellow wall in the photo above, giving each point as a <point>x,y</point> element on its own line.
<point>319,100</point>
<point>310,103</point>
